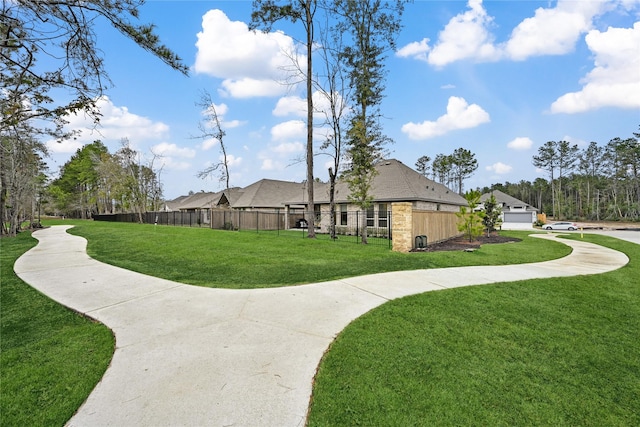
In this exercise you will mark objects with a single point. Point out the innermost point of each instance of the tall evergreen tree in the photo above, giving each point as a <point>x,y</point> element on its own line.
<point>265,14</point>
<point>464,164</point>
<point>422,165</point>
<point>371,28</point>
<point>547,160</point>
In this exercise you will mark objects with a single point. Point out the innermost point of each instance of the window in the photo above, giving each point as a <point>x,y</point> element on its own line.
<point>343,214</point>
<point>371,214</point>
<point>382,215</point>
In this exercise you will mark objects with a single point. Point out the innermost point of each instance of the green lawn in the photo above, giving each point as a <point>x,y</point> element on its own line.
<point>561,352</point>
<point>50,357</point>
<point>230,259</point>
<point>542,352</point>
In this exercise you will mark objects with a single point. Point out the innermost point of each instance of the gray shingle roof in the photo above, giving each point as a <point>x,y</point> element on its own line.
<point>395,182</point>
<point>268,193</point>
<point>202,200</point>
<point>506,200</point>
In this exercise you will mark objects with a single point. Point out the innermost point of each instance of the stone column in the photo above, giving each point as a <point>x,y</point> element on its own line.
<point>402,226</point>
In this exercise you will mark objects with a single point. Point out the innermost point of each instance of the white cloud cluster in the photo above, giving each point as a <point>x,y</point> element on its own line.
<point>251,63</point>
<point>615,80</point>
<point>168,149</point>
<point>551,31</point>
<point>292,129</point>
<point>466,35</point>
<point>115,123</point>
<point>460,115</point>
<point>220,112</point>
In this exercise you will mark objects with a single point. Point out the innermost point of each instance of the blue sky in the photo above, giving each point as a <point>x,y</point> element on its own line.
<point>499,78</point>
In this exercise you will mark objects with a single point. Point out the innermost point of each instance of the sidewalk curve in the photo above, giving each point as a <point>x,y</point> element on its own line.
<point>188,355</point>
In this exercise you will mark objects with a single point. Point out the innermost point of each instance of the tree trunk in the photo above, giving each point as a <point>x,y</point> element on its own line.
<point>311,206</point>
<point>363,232</point>
<point>332,204</point>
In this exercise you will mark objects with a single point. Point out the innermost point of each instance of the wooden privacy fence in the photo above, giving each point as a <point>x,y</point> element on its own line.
<point>216,218</point>
<point>437,226</point>
<point>248,220</point>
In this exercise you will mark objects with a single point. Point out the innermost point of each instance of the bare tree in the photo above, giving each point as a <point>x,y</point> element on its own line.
<point>332,85</point>
<point>211,127</point>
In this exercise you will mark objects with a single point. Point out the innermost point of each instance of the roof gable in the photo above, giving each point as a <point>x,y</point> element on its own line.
<point>268,193</point>
<point>505,199</point>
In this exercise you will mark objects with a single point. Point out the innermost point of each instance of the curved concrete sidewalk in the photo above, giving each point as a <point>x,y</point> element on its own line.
<point>188,355</point>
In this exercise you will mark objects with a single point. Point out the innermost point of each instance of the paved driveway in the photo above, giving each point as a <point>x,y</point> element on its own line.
<point>631,235</point>
<point>188,355</point>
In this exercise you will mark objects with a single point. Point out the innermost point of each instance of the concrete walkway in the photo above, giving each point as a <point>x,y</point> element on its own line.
<point>188,355</point>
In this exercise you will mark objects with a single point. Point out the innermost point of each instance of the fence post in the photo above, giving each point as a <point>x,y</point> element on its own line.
<point>389,228</point>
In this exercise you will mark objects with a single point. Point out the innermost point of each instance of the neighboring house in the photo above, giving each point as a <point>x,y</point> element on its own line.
<point>393,182</point>
<point>516,214</point>
<point>421,207</point>
<point>268,194</point>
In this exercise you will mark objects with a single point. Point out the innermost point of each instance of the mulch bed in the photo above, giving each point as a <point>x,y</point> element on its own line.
<point>462,243</point>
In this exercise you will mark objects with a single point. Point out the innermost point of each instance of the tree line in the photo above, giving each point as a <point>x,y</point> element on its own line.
<point>599,182</point>
<point>95,181</point>
<point>62,32</point>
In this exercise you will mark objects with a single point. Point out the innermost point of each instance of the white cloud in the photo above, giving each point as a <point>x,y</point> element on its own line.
<point>499,168</point>
<point>297,106</point>
<point>520,143</point>
<point>465,36</point>
<point>167,149</point>
<point>170,155</point>
<point>118,122</point>
<point>220,111</point>
<point>615,79</point>
<point>64,147</point>
<point>270,165</point>
<point>169,163</point>
<point>292,129</point>
<point>247,87</point>
<point>251,63</point>
<point>290,105</point>
<point>416,50</point>
<point>289,148</point>
<point>209,143</point>
<point>460,115</point>
<point>115,123</point>
<point>232,161</point>
<point>553,31</point>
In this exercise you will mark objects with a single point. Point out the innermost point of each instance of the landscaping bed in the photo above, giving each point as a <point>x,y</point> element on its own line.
<point>462,243</point>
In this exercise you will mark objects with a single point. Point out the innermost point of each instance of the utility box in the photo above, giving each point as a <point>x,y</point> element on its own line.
<point>421,242</point>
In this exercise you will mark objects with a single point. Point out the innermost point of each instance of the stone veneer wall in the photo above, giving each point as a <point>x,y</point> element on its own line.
<point>402,226</point>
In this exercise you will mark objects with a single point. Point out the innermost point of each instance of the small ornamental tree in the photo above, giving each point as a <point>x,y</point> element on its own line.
<point>470,220</point>
<point>492,213</point>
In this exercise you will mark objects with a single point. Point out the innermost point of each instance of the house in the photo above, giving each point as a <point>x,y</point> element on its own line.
<point>267,194</point>
<point>516,214</point>
<point>421,207</point>
<point>394,182</point>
